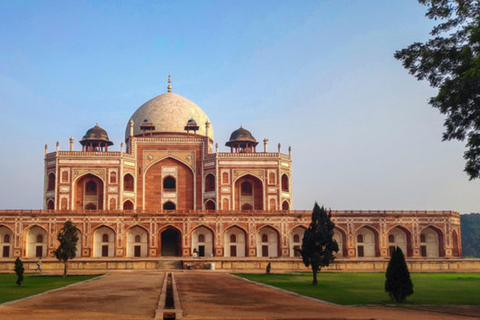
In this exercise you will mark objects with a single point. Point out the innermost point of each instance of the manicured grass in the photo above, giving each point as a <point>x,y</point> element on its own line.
<point>368,288</point>
<point>33,284</point>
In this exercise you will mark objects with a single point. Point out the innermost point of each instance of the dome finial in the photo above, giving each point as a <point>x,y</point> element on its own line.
<point>169,87</point>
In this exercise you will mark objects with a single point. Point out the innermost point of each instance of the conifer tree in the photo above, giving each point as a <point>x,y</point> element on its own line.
<point>19,271</point>
<point>398,283</point>
<point>67,238</point>
<point>318,245</point>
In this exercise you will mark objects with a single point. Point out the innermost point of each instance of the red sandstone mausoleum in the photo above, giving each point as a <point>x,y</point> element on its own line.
<point>169,192</point>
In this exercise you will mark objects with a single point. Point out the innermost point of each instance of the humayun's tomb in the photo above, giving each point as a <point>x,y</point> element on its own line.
<point>168,192</point>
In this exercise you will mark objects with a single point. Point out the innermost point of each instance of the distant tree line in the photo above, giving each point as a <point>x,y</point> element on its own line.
<point>470,234</point>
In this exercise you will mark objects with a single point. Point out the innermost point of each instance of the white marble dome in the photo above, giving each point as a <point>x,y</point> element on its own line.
<point>169,113</point>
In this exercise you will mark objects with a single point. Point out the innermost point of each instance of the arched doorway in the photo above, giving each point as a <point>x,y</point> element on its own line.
<point>296,237</point>
<point>235,242</point>
<point>137,242</point>
<point>399,237</point>
<point>170,243</point>
<point>104,242</point>
<point>36,242</point>
<point>89,193</point>
<point>249,193</point>
<point>267,242</point>
<point>202,241</point>
<point>6,242</point>
<point>431,243</point>
<point>366,242</point>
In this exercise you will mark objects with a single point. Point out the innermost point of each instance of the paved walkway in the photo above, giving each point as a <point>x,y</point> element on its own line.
<point>203,295</point>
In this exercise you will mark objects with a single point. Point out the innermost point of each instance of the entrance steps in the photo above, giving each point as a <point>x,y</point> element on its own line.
<point>169,264</point>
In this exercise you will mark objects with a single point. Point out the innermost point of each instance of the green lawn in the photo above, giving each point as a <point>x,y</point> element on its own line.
<point>33,284</point>
<point>368,288</point>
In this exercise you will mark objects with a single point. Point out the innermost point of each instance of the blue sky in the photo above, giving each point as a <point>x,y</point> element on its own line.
<point>315,75</point>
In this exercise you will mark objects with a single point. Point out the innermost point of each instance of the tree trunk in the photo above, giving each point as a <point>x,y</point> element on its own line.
<point>315,270</point>
<point>65,269</point>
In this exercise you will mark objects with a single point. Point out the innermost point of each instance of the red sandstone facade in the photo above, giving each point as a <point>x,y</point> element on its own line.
<point>169,194</point>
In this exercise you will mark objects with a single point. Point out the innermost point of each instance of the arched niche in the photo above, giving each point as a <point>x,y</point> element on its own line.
<point>402,238</point>
<point>267,242</point>
<point>89,193</point>
<point>296,237</point>
<point>128,205</point>
<point>341,238</point>
<point>6,242</point>
<point>285,183</point>
<point>128,182</point>
<point>157,185</point>
<point>137,242</point>
<point>235,240</point>
<point>248,193</point>
<point>209,182</point>
<point>366,239</point>
<point>104,242</point>
<point>210,205</point>
<point>36,240</point>
<point>202,241</point>
<point>431,242</point>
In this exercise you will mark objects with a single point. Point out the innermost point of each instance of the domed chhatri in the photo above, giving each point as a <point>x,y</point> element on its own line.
<point>96,139</point>
<point>169,112</point>
<point>242,140</point>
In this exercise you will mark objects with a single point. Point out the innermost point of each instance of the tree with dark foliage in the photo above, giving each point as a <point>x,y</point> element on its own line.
<point>398,283</point>
<point>470,224</point>
<point>450,61</point>
<point>67,248</point>
<point>318,245</point>
<point>19,271</point>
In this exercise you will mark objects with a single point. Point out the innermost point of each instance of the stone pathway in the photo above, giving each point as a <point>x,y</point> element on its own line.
<point>203,295</point>
<point>119,295</point>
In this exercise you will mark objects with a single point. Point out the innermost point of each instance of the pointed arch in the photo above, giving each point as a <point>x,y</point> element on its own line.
<point>341,237</point>
<point>170,241</point>
<point>203,241</point>
<point>456,252</point>
<point>50,204</point>
<point>296,237</point>
<point>89,192</point>
<point>51,181</point>
<point>128,182</point>
<point>367,243</point>
<point>268,241</point>
<point>36,239</point>
<point>210,205</point>
<point>154,177</point>
<point>248,189</point>
<point>128,205</point>
<point>209,182</point>
<point>169,205</point>
<point>104,241</point>
<point>432,246</point>
<point>6,241</point>
<point>137,241</point>
<point>399,236</point>
<point>285,183</point>
<point>235,239</point>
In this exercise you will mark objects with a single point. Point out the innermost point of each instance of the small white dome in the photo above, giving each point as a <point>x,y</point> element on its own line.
<point>169,112</point>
